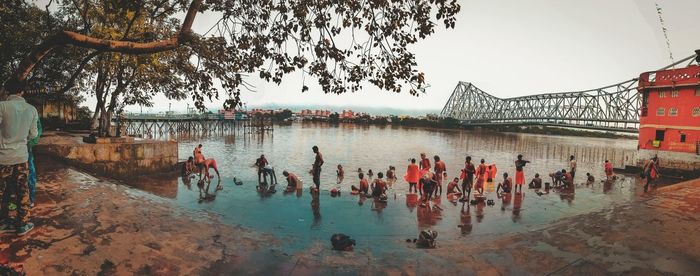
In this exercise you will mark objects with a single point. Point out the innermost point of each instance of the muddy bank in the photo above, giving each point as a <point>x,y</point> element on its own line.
<point>88,226</point>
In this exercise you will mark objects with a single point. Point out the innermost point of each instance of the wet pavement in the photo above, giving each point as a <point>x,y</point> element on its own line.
<point>88,226</point>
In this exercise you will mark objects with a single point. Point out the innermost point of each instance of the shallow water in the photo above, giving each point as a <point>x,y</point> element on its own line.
<point>303,220</point>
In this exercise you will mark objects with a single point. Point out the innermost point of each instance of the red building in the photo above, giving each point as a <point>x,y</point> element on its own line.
<point>670,112</point>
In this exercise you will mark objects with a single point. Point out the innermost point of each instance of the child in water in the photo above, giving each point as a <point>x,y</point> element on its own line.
<point>340,173</point>
<point>370,174</point>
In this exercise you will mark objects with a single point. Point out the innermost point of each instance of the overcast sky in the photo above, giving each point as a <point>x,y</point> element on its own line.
<point>516,48</point>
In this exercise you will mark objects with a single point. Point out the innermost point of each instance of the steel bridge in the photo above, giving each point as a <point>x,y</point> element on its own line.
<point>610,108</point>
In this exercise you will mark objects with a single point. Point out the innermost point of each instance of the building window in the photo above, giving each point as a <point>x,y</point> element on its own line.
<point>673,111</point>
<point>696,112</point>
<point>674,94</point>
<point>660,111</point>
<point>662,94</point>
<point>682,137</point>
<point>660,135</point>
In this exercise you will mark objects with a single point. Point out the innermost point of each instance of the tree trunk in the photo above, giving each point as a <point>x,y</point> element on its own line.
<point>64,38</point>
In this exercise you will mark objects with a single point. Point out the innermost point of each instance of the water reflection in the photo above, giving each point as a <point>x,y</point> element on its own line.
<point>357,146</point>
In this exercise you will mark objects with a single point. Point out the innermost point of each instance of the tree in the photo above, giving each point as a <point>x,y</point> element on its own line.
<point>340,43</point>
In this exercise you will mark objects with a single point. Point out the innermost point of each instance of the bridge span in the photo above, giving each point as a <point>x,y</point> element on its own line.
<point>609,108</point>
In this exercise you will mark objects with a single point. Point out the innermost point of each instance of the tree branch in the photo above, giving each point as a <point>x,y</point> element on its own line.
<point>63,38</point>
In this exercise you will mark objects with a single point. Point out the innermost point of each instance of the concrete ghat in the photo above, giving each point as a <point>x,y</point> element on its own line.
<point>86,227</point>
<point>118,160</point>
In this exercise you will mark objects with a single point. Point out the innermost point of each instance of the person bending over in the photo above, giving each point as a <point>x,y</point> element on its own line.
<point>379,186</point>
<point>292,181</point>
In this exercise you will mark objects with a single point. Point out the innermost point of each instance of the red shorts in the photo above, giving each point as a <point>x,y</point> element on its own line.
<point>519,177</point>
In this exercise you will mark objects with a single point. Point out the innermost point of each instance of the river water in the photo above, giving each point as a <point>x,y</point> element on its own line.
<point>303,220</point>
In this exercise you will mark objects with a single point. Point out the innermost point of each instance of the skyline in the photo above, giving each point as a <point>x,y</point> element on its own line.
<point>561,46</point>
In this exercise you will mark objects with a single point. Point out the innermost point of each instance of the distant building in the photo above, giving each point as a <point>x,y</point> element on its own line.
<point>670,111</point>
<point>347,114</point>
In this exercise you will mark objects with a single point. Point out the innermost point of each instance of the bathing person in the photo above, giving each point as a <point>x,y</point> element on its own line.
<point>292,181</point>
<point>590,178</point>
<point>572,166</point>
<point>364,185</point>
<point>479,186</point>
<point>468,180</point>
<point>609,174</point>
<point>210,163</point>
<point>557,178</point>
<point>340,174</point>
<point>391,176</point>
<point>316,169</point>
<point>428,183</point>
<point>567,179</point>
<point>491,173</point>
<point>535,183</point>
<point>188,167</point>
<point>424,162</point>
<point>482,170</point>
<point>370,174</point>
<point>453,187</point>
<point>379,186</point>
<point>412,176</point>
<point>519,172</point>
<point>506,185</point>
<point>260,163</point>
<point>650,172</point>
<point>440,172</point>
<point>198,156</point>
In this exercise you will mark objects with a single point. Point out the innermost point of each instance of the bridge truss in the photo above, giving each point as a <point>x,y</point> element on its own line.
<point>615,107</point>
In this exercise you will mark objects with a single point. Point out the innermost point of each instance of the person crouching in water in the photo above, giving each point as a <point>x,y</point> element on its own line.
<point>187,167</point>
<point>364,185</point>
<point>292,181</point>
<point>453,188</point>
<point>379,186</point>
<point>506,185</point>
<point>428,182</point>
<point>535,183</point>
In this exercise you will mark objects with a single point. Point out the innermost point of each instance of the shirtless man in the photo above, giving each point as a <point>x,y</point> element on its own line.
<point>204,164</point>
<point>468,180</point>
<point>519,172</point>
<point>424,162</point>
<point>440,171</point>
<point>340,174</point>
<point>453,187</point>
<point>379,186</point>
<point>260,163</point>
<point>428,184</point>
<point>292,181</point>
<point>572,166</point>
<point>506,185</point>
<point>535,183</point>
<point>316,169</point>
<point>364,185</point>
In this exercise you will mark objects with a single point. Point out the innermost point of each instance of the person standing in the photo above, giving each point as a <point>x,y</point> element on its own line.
<point>440,172</point>
<point>18,124</point>
<point>316,170</point>
<point>650,172</point>
<point>412,177</point>
<point>32,169</point>
<point>424,163</point>
<point>468,180</point>
<point>572,166</point>
<point>519,172</point>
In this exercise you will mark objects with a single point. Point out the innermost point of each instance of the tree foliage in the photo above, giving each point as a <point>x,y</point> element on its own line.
<point>342,44</point>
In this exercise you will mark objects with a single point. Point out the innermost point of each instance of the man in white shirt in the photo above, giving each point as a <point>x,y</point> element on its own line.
<point>18,124</point>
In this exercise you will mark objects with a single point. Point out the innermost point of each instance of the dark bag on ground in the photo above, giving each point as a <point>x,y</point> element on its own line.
<point>342,242</point>
<point>426,239</point>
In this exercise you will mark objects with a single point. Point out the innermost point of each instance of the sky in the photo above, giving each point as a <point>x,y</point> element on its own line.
<point>509,49</point>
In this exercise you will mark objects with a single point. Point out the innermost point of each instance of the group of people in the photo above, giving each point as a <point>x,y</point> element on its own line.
<point>198,163</point>
<point>423,178</point>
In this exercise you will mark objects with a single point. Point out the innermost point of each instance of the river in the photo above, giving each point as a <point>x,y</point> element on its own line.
<point>304,220</point>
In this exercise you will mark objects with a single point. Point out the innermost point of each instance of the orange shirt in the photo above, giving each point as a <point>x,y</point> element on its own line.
<point>412,173</point>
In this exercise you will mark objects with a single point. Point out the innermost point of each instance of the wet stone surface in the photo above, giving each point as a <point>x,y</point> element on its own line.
<point>89,226</point>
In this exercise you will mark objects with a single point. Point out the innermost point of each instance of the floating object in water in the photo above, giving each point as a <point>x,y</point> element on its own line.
<point>490,202</point>
<point>335,192</point>
<point>539,193</point>
<point>237,182</point>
